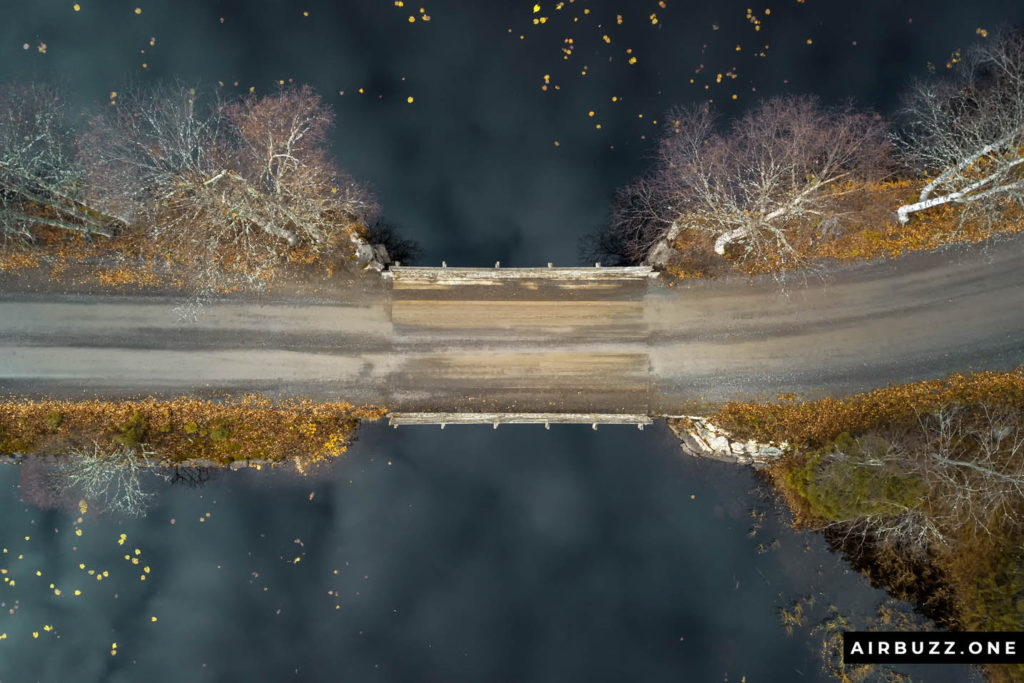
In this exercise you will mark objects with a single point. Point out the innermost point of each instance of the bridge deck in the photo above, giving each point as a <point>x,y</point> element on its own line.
<point>520,341</point>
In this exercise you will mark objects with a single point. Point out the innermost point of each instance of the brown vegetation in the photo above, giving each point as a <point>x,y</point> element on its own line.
<point>966,133</point>
<point>812,424</point>
<point>170,187</point>
<point>791,184</point>
<point>922,485</point>
<point>185,429</point>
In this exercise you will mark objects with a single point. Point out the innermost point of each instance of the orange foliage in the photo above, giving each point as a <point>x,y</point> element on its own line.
<point>131,261</point>
<point>867,230</point>
<point>811,424</point>
<point>252,427</point>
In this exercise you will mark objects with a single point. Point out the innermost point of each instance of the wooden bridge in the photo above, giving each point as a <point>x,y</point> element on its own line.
<point>494,419</point>
<point>519,344</point>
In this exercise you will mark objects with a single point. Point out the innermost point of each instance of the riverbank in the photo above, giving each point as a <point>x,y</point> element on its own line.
<point>185,430</point>
<point>918,485</point>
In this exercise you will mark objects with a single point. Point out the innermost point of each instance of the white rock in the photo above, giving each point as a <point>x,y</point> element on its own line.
<point>720,444</point>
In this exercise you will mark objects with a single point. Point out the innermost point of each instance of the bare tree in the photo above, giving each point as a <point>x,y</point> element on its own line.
<point>190,476</point>
<point>973,461</point>
<point>961,468</point>
<point>281,167</point>
<point>228,189</point>
<point>639,219</point>
<point>967,133</point>
<point>41,483</point>
<point>40,173</point>
<point>148,155</point>
<point>765,183</point>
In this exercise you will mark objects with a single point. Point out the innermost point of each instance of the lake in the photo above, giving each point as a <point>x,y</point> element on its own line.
<point>465,554</point>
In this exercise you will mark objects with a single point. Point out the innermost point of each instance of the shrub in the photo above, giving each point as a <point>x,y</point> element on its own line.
<point>53,420</point>
<point>849,481</point>
<point>133,431</point>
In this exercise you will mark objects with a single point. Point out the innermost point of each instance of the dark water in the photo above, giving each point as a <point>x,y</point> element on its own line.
<point>467,554</point>
<point>474,555</point>
<point>470,168</point>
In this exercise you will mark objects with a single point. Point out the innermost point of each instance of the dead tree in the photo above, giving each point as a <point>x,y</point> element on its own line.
<point>639,220</point>
<point>281,175</point>
<point>149,155</point>
<point>973,462</point>
<point>226,188</point>
<point>966,133</point>
<point>41,177</point>
<point>761,184</point>
<point>960,469</point>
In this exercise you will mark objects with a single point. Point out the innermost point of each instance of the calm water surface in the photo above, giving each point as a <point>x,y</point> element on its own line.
<point>429,555</point>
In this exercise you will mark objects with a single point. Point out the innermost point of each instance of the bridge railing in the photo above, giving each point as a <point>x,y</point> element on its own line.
<point>499,273</point>
<point>547,419</point>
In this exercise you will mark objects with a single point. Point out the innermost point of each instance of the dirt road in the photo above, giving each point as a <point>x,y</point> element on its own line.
<point>536,344</point>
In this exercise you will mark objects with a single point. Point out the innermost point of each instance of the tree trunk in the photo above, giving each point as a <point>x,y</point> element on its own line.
<point>727,238</point>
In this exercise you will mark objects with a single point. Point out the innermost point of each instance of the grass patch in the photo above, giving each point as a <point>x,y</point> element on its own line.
<point>814,424</point>
<point>183,429</point>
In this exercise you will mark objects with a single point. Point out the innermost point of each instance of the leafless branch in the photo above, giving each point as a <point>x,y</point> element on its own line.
<point>761,185</point>
<point>967,133</point>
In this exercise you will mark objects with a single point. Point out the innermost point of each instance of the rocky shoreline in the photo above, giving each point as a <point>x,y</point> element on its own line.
<point>702,438</point>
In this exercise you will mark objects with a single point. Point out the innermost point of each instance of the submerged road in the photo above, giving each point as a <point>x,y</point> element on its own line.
<point>547,341</point>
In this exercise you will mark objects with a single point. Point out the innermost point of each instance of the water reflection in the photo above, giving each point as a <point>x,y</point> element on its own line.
<point>464,554</point>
